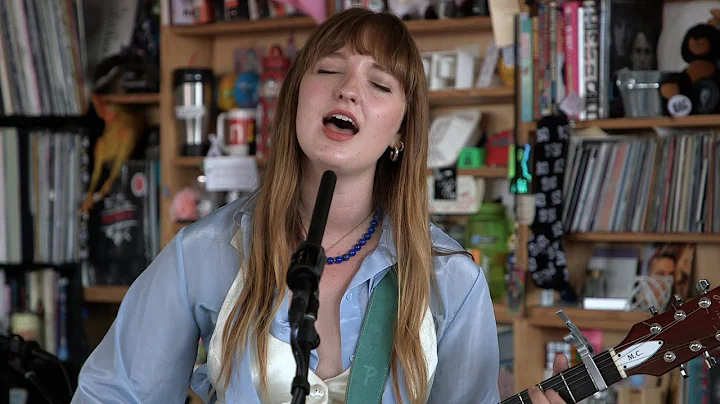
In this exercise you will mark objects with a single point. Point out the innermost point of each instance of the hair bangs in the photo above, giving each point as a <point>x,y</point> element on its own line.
<point>379,35</point>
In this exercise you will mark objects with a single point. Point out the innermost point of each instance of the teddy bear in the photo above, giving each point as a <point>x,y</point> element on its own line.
<point>700,81</point>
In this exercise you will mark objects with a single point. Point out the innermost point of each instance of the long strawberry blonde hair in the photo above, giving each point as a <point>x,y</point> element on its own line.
<point>399,190</point>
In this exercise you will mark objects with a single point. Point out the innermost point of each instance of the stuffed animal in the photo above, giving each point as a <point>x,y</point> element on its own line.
<point>123,127</point>
<point>700,81</point>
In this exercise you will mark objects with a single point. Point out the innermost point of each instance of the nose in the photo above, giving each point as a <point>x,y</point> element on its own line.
<point>348,90</point>
<point>344,95</point>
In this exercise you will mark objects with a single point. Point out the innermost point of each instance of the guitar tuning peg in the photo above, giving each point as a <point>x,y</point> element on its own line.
<point>683,371</point>
<point>702,286</point>
<point>710,362</point>
<point>653,310</point>
<point>678,299</point>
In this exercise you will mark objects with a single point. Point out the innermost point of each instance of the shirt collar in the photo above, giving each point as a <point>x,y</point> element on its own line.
<point>374,265</point>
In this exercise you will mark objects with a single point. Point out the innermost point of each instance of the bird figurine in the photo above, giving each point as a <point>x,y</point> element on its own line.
<point>123,127</point>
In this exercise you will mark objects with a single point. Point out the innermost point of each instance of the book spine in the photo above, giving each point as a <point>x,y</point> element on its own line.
<point>572,62</point>
<point>591,59</point>
<point>604,60</point>
<point>527,67</point>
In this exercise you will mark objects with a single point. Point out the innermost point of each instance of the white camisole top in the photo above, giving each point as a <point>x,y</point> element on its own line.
<point>281,363</point>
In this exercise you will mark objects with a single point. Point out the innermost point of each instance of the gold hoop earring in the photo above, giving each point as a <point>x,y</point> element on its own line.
<point>395,152</point>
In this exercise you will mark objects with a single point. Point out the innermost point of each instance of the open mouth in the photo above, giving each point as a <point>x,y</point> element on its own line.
<point>341,123</point>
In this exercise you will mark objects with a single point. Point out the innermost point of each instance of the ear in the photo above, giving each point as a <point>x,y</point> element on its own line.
<point>401,131</point>
<point>396,140</point>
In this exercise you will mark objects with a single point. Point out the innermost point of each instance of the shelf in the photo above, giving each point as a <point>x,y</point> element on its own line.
<point>245,26</point>
<point>44,121</point>
<point>465,24</point>
<point>646,123</point>
<point>177,226</point>
<point>501,314</point>
<point>610,237</point>
<point>484,172</point>
<point>138,98</point>
<point>105,293</point>
<point>197,162</point>
<point>606,320</point>
<point>188,162</point>
<point>471,96</point>
<point>446,25</point>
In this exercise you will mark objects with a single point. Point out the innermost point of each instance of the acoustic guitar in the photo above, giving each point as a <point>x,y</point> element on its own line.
<point>652,347</point>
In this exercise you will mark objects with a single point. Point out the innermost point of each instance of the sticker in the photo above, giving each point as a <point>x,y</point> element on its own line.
<point>138,185</point>
<point>637,354</point>
<point>679,105</point>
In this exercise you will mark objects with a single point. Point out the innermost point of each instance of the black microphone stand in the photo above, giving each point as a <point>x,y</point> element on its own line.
<point>306,266</point>
<point>304,338</point>
<point>21,353</point>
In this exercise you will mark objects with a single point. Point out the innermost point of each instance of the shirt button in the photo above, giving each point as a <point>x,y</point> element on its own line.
<point>317,391</point>
<point>352,358</point>
<point>348,296</point>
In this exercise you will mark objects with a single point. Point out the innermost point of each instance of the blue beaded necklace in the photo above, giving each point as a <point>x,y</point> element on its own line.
<point>353,251</point>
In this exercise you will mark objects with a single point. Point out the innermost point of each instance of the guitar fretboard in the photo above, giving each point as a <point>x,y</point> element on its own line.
<point>575,383</point>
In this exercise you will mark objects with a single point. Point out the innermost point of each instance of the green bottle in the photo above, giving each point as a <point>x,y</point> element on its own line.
<point>488,233</point>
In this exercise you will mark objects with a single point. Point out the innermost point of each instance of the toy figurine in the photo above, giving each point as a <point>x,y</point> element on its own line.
<point>700,81</point>
<point>123,127</point>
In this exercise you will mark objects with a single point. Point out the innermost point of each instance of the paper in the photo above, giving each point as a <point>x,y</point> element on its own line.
<point>502,14</point>
<point>488,66</point>
<point>572,105</point>
<point>231,173</point>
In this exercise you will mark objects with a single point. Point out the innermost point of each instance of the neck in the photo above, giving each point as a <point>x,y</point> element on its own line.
<point>574,384</point>
<point>351,202</point>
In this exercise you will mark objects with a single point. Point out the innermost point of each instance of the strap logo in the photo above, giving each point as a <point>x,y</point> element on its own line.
<point>370,372</point>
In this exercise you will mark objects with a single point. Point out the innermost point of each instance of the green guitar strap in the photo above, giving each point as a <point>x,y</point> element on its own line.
<point>371,365</point>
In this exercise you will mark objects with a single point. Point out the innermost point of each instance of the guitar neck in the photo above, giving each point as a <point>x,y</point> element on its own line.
<point>574,384</point>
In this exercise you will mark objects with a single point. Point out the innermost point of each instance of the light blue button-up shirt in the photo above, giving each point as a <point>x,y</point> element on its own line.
<point>148,354</point>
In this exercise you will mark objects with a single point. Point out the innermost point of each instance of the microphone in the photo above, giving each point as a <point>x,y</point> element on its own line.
<point>17,346</point>
<point>308,261</point>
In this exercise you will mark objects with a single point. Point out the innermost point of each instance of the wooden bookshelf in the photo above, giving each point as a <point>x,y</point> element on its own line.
<point>188,162</point>
<point>300,22</point>
<point>484,172</point>
<point>139,98</point>
<point>501,314</point>
<point>179,225</point>
<point>471,96</point>
<point>692,121</point>
<point>606,320</point>
<point>244,27</point>
<point>447,25</point>
<point>105,293</point>
<point>610,237</point>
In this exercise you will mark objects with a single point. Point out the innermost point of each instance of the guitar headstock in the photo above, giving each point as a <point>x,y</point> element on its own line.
<point>668,340</point>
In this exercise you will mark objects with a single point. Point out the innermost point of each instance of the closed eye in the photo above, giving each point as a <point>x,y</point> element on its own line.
<point>324,71</point>
<point>382,88</point>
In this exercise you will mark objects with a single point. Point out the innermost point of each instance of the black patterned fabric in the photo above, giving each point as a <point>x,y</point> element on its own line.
<point>546,257</point>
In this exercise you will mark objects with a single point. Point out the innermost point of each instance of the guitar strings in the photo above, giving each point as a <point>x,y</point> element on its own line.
<point>571,378</point>
<point>573,373</point>
<point>603,364</point>
<point>575,381</point>
<point>586,380</point>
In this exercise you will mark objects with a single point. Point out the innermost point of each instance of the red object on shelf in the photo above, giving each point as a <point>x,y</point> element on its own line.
<point>275,67</point>
<point>497,148</point>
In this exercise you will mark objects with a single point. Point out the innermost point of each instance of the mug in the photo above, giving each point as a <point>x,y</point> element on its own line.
<point>241,130</point>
